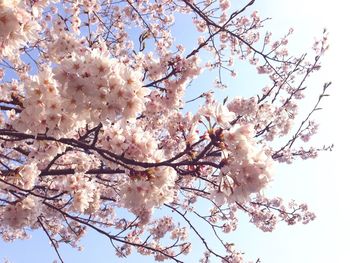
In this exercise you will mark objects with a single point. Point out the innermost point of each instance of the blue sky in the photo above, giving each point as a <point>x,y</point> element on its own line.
<point>322,183</point>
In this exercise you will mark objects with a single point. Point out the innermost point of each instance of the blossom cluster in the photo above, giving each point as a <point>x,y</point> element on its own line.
<point>247,170</point>
<point>144,191</point>
<point>81,90</point>
<point>22,213</point>
<point>17,26</point>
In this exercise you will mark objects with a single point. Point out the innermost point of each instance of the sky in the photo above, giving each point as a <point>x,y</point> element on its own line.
<point>322,183</point>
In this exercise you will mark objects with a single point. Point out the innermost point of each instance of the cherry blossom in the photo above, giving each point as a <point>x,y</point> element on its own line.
<point>97,117</point>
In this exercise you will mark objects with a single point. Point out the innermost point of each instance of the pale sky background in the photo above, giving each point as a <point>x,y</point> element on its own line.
<point>322,183</point>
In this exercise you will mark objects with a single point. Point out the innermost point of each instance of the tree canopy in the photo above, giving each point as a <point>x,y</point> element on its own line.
<point>98,131</point>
